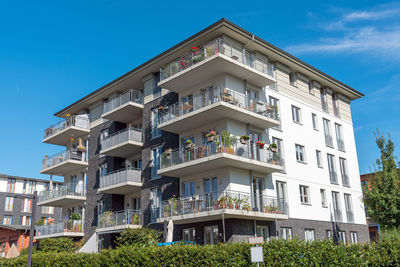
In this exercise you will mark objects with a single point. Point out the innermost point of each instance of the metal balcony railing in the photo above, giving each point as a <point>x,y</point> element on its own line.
<point>120,176</point>
<point>123,98</point>
<point>350,216</point>
<point>337,215</point>
<point>70,154</point>
<point>116,218</point>
<point>333,177</point>
<point>222,200</point>
<point>340,144</point>
<point>66,226</point>
<point>217,46</point>
<point>328,140</point>
<point>62,191</point>
<point>214,95</point>
<point>74,120</point>
<point>128,134</point>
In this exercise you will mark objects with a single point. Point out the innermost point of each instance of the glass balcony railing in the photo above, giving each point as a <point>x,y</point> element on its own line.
<point>218,46</point>
<point>350,216</point>
<point>62,191</point>
<point>333,177</point>
<point>340,144</point>
<point>128,134</point>
<point>74,120</point>
<point>328,140</point>
<point>214,95</point>
<point>337,215</point>
<point>70,154</point>
<point>223,200</point>
<point>120,176</point>
<point>123,98</point>
<point>221,144</point>
<point>66,226</point>
<point>119,218</point>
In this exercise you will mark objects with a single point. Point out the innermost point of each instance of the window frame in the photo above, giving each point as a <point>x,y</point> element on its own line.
<point>314,120</point>
<point>318,155</point>
<point>296,114</point>
<point>300,153</point>
<point>306,236</point>
<point>324,200</point>
<point>304,191</point>
<point>285,233</point>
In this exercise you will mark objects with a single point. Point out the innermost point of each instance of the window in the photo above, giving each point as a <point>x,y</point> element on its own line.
<point>286,233</point>
<point>336,207</point>
<point>7,219</point>
<point>31,187</point>
<point>262,231</point>
<point>100,210</point>
<point>156,162</point>
<point>155,204</point>
<point>27,205</point>
<point>296,114</point>
<point>323,198</point>
<point>349,208</point>
<point>353,237</point>
<point>26,220</point>
<point>309,235</point>
<point>279,144</point>
<point>323,100</point>
<point>103,169</point>
<point>189,234</point>
<point>339,137</point>
<point>156,88</point>
<point>275,102</point>
<point>189,188</point>
<point>211,234</point>
<point>155,117</point>
<point>311,87</point>
<point>300,155</point>
<point>47,210</point>
<point>293,79</point>
<point>9,204</point>
<point>327,131</point>
<point>11,185</point>
<point>24,186</point>
<point>304,194</point>
<point>343,171</point>
<point>342,237</point>
<point>314,121</point>
<point>318,154</point>
<point>335,105</point>
<point>332,169</point>
<point>328,234</point>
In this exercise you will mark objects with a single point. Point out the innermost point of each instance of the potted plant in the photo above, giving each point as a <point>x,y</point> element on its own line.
<point>135,219</point>
<point>211,136</point>
<point>215,204</point>
<point>275,158</point>
<point>76,216</point>
<point>260,144</point>
<point>227,141</point>
<point>236,203</point>
<point>273,147</point>
<point>246,206</point>
<point>39,222</point>
<point>167,210</point>
<point>244,139</point>
<point>188,144</point>
<point>230,202</point>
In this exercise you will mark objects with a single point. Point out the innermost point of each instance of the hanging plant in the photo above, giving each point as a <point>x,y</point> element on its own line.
<point>260,144</point>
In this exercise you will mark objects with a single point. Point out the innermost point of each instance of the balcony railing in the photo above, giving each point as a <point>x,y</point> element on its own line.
<point>128,134</point>
<point>337,215</point>
<point>62,191</point>
<point>70,154</point>
<point>214,95</point>
<point>350,216</point>
<point>78,121</point>
<point>222,200</point>
<point>212,48</point>
<point>340,144</point>
<point>222,144</point>
<point>328,140</point>
<point>66,226</point>
<point>120,176</point>
<point>123,98</point>
<point>118,218</point>
<point>333,177</point>
<point>345,179</point>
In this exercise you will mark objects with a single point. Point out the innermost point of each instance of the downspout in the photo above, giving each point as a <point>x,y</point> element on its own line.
<point>223,226</point>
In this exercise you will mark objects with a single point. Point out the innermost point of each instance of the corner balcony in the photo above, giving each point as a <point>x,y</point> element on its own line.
<point>123,144</point>
<point>229,204</point>
<point>65,162</point>
<point>68,195</point>
<point>121,182</point>
<point>60,133</point>
<point>116,221</point>
<point>212,59</point>
<point>220,154</point>
<point>220,103</point>
<point>125,107</point>
<point>67,228</point>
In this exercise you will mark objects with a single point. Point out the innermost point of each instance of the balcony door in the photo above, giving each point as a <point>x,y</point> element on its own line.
<point>254,137</point>
<point>281,195</point>
<point>187,104</point>
<point>210,191</point>
<point>257,196</point>
<point>252,99</point>
<point>155,204</point>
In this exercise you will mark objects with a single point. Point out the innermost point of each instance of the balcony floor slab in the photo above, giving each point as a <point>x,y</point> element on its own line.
<point>121,188</point>
<point>62,138</point>
<point>65,167</point>
<point>63,234</point>
<point>123,150</point>
<point>63,201</point>
<point>125,113</point>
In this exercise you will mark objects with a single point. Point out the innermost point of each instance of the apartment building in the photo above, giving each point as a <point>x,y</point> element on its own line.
<point>16,210</point>
<point>225,135</point>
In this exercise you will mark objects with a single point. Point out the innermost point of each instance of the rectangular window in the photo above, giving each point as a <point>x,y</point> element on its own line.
<point>27,205</point>
<point>336,206</point>
<point>339,137</point>
<point>156,162</point>
<point>31,187</point>
<point>354,237</point>
<point>332,169</point>
<point>309,235</point>
<point>296,114</point>
<point>47,210</point>
<point>328,234</point>
<point>278,155</point>
<point>156,88</point>
<point>314,121</point>
<point>262,231</point>
<point>7,219</point>
<point>189,234</point>
<point>349,208</point>
<point>304,194</point>
<point>327,131</point>
<point>318,155</point>
<point>24,187</point>
<point>343,171</point>
<point>274,102</point>
<point>335,105</point>
<point>103,169</point>
<point>189,188</point>
<point>155,119</point>
<point>323,198</point>
<point>342,237</point>
<point>286,233</point>
<point>11,185</point>
<point>300,153</point>
<point>293,79</point>
<point>26,220</point>
<point>155,201</point>
<point>311,87</point>
<point>211,234</point>
<point>323,100</point>
<point>9,204</point>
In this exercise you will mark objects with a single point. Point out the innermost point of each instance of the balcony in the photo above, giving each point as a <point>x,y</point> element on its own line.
<point>121,181</point>
<point>73,126</point>
<point>230,204</point>
<point>67,228</point>
<point>212,59</point>
<point>68,195</point>
<point>340,145</point>
<point>220,154</point>
<point>125,107</point>
<point>71,160</point>
<point>116,221</point>
<point>123,144</point>
<point>217,104</point>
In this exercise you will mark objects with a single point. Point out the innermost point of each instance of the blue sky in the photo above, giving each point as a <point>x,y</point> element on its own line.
<point>55,52</point>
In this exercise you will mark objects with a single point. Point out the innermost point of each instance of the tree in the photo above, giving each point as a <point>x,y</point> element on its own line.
<point>382,198</point>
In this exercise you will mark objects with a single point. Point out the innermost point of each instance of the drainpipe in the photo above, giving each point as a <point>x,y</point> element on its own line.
<point>255,228</point>
<point>244,48</point>
<point>223,226</point>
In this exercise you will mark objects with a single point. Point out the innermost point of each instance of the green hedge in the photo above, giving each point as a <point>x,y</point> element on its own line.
<point>276,253</point>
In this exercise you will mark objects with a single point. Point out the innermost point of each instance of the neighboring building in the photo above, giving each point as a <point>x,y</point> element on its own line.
<point>16,209</point>
<point>129,159</point>
<point>374,228</point>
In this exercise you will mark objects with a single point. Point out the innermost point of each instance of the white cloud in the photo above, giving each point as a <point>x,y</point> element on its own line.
<point>370,15</point>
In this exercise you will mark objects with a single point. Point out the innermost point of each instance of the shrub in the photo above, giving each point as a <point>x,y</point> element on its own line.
<point>57,245</point>
<point>139,237</point>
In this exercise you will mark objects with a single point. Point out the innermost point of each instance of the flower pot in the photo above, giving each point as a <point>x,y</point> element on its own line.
<point>274,149</point>
<point>188,146</point>
<point>215,207</point>
<point>231,206</point>
<point>210,139</point>
<point>168,151</point>
<point>243,141</point>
